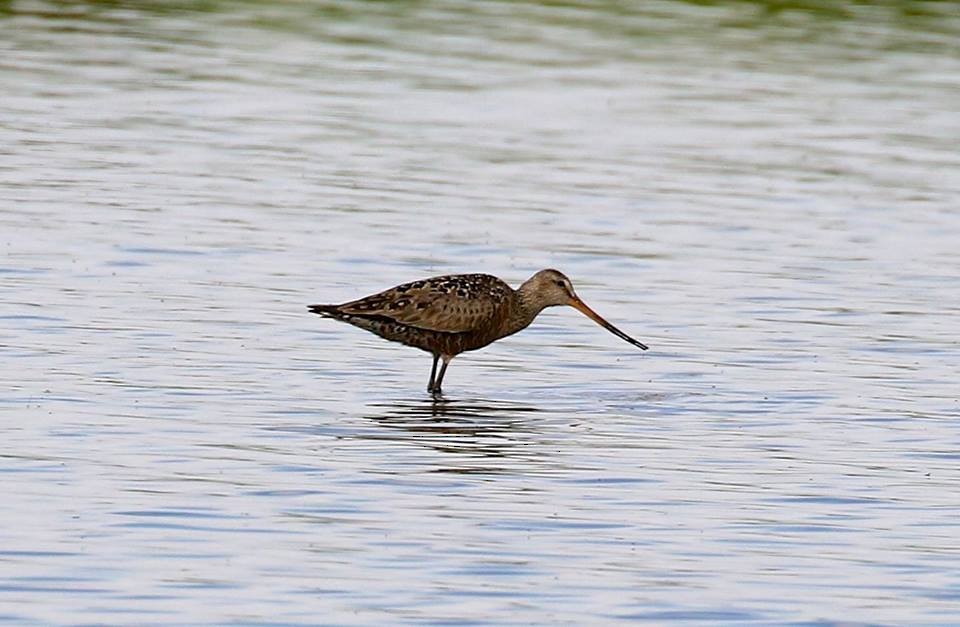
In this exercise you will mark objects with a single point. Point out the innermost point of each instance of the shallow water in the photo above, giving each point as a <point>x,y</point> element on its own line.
<point>767,197</point>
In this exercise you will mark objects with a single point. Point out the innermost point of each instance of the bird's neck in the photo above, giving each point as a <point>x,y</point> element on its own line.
<point>523,311</point>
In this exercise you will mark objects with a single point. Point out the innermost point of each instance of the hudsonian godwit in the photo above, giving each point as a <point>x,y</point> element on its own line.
<point>448,315</point>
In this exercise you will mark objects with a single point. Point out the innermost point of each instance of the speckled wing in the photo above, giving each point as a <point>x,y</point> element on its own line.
<point>451,304</point>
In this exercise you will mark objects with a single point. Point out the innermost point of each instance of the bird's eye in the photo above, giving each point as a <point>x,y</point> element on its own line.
<point>560,283</point>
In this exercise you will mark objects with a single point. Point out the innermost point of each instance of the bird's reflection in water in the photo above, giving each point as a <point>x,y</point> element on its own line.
<point>455,409</point>
<point>473,429</point>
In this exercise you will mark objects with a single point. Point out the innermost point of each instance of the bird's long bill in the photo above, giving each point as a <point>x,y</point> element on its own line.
<point>581,306</point>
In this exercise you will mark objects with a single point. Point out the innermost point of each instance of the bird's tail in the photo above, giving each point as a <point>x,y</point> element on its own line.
<point>328,311</point>
<point>370,323</point>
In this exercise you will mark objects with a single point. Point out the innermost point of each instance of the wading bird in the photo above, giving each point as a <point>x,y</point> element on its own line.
<point>448,315</point>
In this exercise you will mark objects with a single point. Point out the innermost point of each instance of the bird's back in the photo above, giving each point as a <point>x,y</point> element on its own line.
<point>443,314</point>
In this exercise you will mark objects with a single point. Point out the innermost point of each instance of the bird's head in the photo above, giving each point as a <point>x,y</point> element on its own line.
<point>549,288</point>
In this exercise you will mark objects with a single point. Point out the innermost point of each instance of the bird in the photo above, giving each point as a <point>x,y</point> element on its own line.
<point>451,314</point>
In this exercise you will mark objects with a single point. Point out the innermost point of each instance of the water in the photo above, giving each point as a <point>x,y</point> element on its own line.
<point>766,194</point>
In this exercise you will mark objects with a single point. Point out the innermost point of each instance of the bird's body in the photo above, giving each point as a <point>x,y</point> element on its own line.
<point>451,314</point>
<point>447,315</point>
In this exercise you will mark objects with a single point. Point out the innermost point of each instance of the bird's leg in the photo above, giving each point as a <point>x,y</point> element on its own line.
<point>443,371</point>
<point>433,372</point>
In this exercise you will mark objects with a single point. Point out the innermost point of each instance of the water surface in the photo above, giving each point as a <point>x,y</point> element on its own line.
<point>767,196</point>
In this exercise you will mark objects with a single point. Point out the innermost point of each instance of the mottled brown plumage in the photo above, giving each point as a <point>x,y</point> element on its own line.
<point>452,314</point>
